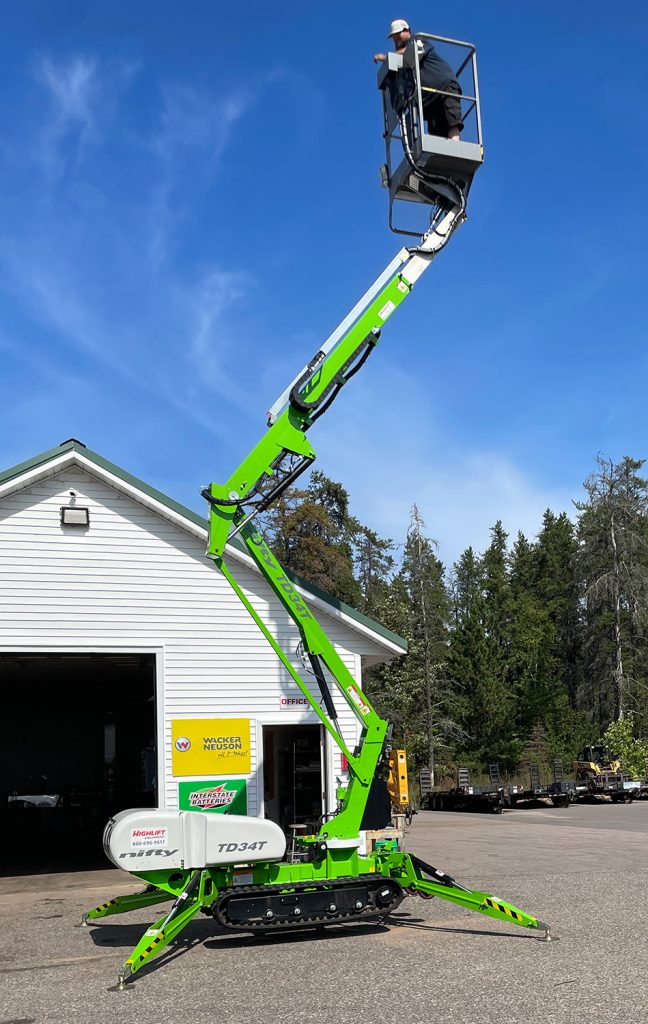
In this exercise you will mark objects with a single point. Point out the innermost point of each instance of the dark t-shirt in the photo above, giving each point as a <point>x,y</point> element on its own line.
<point>435,71</point>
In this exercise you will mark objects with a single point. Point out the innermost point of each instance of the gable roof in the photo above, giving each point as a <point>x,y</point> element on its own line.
<point>52,461</point>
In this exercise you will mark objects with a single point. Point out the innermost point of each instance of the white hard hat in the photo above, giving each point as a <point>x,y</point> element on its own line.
<point>397,26</point>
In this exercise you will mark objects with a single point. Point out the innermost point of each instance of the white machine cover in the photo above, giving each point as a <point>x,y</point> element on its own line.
<point>151,839</point>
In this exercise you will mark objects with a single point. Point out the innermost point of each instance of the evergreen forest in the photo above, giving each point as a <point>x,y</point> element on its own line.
<point>525,651</point>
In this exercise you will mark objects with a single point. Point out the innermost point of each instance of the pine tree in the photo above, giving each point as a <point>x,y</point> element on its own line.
<point>394,688</point>
<point>476,663</point>
<point>613,565</point>
<point>542,661</point>
<point>422,575</point>
<point>312,533</point>
<point>466,582</point>
<point>374,566</point>
<point>414,692</point>
<point>556,588</point>
<point>497,594</point>
<point>529,666</point>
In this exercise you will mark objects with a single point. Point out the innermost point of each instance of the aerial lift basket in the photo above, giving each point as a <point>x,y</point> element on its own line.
<point>420,167</point>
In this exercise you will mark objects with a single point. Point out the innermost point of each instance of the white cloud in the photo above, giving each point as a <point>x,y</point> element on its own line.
<point>72,87</point>
<point>82,97</point>
<point>165,333</point>
<point>459,499</point>
<point>53,296</point>
<point>461,502</point>
<point>193,132</point>
<point>211,345</point>
<point>393,451</point>
<point>193,120</point>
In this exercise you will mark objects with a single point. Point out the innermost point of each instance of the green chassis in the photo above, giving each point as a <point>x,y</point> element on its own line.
<point>278,458</point>
<point>194,891</point>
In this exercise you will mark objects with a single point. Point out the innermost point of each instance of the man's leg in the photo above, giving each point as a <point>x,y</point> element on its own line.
<point>434,117</point>
<point>452,110</point>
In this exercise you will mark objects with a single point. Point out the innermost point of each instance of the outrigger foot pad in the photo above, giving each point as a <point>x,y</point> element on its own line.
<point>547,937</point>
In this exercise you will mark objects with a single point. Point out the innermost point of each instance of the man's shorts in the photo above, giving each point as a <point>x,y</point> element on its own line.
<point>443,113</point>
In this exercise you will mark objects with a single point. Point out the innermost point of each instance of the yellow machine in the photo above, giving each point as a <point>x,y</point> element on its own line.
<point>595,761</point>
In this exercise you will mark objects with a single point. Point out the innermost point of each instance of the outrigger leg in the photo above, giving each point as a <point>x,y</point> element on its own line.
<point>418,877</point>
<point>123,904</point>
<point>184,909</point>
<point>197,892</point>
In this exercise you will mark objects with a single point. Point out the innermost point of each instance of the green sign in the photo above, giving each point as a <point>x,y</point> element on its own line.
<point>216,795</point>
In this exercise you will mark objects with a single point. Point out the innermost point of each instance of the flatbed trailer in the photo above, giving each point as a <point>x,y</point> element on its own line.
<point>534,792</point>
<point>562,792</point>
<point>492,796</point>
<point>611,784</point>
<point>496,795</point>
<point>614,785</point>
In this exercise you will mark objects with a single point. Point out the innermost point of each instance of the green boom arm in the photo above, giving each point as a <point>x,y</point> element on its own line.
<point>273,464</point>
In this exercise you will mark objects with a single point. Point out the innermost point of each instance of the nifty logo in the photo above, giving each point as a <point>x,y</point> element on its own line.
<point>148,853</point>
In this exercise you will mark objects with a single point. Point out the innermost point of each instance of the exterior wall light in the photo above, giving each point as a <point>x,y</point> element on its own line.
<point>75,515</point>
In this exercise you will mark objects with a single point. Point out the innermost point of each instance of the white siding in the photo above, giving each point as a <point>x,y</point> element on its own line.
<point>136,581</point>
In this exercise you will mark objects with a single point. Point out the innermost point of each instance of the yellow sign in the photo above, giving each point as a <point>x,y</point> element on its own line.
<point>210,746</point>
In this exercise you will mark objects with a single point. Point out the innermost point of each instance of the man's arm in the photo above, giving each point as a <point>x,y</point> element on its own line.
<point>380,57</point>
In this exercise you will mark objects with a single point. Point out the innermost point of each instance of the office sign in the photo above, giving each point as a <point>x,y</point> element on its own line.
<point>294,703</point>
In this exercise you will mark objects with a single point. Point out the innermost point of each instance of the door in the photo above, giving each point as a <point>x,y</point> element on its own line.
<point>294,775</point>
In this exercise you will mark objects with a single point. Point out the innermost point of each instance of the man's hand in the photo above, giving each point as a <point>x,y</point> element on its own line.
<point>379,58</point>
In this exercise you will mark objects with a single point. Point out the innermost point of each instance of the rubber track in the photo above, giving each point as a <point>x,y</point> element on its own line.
<point>373,883</point>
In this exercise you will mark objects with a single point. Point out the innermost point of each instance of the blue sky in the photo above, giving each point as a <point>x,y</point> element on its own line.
<point>188,206</point>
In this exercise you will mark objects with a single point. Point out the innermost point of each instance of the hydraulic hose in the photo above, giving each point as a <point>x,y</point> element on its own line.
<point>425,177</point>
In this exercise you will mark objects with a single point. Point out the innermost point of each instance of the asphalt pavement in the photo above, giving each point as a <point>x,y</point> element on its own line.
<point>583,869</point>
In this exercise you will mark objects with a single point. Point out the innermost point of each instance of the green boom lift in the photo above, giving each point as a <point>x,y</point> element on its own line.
<point>235,868</point>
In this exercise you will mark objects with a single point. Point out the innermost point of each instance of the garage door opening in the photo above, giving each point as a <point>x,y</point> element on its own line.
<point>78,744</point>
<point>292,774</point>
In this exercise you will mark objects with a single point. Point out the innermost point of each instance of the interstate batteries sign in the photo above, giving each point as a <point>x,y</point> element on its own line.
<point>210,746</point>
<point>215,795</point>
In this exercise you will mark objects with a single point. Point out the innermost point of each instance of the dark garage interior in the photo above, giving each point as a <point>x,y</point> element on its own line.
<point>78,744</point>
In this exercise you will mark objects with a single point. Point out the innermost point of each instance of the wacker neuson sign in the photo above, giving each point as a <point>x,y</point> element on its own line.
<point>216,795</point>
<point>210,746</point>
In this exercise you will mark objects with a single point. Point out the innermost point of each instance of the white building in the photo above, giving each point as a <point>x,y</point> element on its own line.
<point>119,638</point>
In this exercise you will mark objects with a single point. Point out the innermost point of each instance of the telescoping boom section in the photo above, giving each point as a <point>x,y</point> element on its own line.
<point>235,868</point>
<point>284,451</point>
